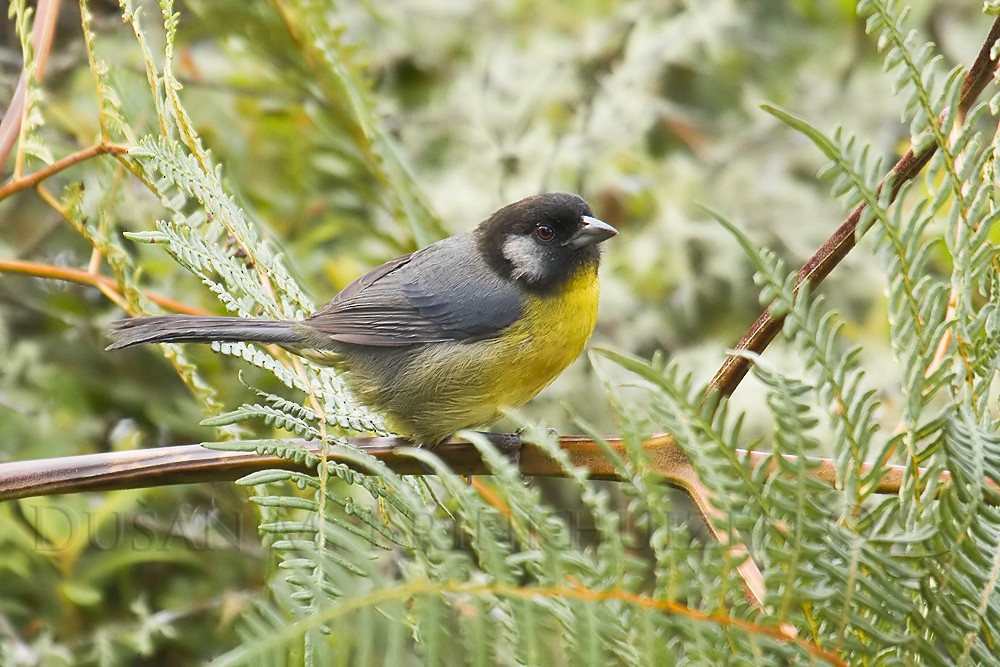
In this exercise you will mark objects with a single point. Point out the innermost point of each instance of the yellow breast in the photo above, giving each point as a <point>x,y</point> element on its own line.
<point>550,335</point>
<point>451,386</point>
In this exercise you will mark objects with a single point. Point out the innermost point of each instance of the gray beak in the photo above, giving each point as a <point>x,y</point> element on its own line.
<point>590,232</point>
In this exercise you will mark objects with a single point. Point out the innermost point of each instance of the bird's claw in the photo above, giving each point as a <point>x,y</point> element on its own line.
<point>510,444</point>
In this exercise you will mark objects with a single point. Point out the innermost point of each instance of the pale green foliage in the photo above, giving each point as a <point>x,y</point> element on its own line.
<point>112,120</point>
<point>909,578</point>
<point>375,567</point>
<point>30,141</point>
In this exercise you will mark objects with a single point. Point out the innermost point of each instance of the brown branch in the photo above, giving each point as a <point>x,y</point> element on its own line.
<point>819,266</point>
<point>833,251</point>
<point>81,277</point>
<point>34,179</point>
<point>194,463</point>
<point>186,464</point>
<point>682,474</point>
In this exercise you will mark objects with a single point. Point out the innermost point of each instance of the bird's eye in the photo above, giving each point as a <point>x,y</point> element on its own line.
<point>545,233</point>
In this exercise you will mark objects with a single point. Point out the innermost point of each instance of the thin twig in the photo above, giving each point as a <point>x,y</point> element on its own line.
<point>780,633</point>
<point>39,270</point>
<point>34,179</point>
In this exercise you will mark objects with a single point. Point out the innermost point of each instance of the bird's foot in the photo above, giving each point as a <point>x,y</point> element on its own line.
<point>509,444</point>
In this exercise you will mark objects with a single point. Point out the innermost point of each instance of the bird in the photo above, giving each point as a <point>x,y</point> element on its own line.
<point>447,337</point>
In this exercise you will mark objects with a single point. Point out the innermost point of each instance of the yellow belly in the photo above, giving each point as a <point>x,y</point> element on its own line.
<point>548,338</point>
<point>466,385</point>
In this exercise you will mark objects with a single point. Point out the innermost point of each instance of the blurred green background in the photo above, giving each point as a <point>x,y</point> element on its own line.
<point>648,109</point>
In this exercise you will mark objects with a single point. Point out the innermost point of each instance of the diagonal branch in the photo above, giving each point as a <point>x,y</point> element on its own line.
<point>34,179</point>
<point>823,261</point>
<point>833,251</point>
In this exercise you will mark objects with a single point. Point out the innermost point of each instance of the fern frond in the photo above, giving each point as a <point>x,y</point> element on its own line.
<point>111,117</point>
<point>816,333</point>
<point>30,141</point>
<point>916,66</point>
<point>340,76</point>
<point>271,416</point>
<point>218,220</point>
<point>131,15</point>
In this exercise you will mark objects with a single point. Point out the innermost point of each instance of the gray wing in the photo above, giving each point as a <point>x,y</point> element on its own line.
<point>444,292</point>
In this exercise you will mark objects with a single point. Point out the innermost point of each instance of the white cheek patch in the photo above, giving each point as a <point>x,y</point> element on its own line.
<point>528,259</point>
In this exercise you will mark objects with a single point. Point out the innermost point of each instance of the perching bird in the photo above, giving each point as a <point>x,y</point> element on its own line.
<point>442,339</point>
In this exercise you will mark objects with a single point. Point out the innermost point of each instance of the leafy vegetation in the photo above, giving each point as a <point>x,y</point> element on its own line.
<point>223,157</point>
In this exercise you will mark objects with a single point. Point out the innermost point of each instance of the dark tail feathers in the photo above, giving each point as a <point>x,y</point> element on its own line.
<point>198,329</point>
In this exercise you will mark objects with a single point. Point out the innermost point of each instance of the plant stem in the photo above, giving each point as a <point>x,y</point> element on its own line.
<point>833,251</point>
